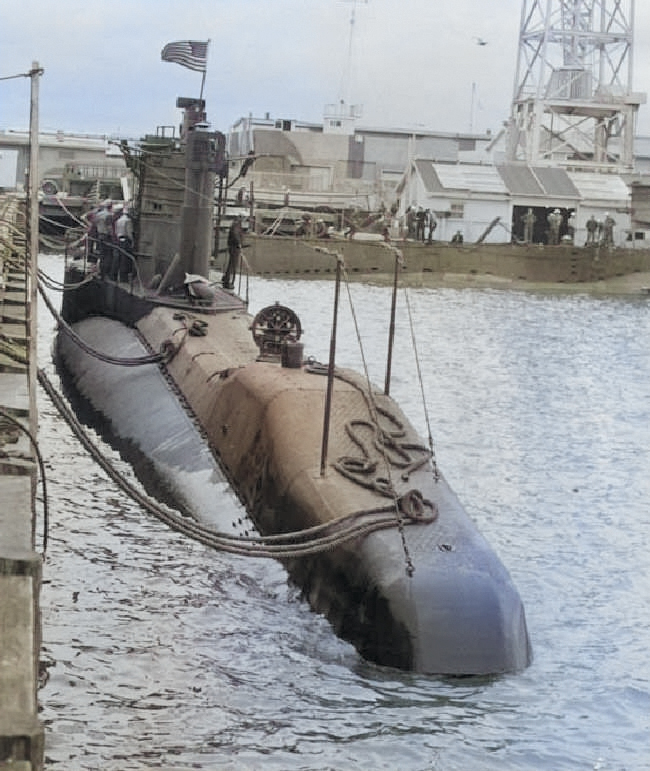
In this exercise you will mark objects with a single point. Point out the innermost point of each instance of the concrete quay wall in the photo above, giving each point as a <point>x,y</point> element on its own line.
<point>21,733</point>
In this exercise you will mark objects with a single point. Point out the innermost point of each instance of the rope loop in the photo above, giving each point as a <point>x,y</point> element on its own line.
<point>413,504</point>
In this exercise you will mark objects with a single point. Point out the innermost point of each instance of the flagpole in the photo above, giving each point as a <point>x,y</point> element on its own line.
<point>205,69</point>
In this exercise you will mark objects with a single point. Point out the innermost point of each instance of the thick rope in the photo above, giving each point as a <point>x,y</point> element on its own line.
<point>436,472</point>
<point>68,212</point>
<point>11,420</point>
<point>169,348</point>
<point>13,349</point>
<point>59,286</point>
<point>410,568</point>
<point>283,546</point>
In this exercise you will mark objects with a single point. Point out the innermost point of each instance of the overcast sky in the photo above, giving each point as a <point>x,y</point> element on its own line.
<point>413,63</point>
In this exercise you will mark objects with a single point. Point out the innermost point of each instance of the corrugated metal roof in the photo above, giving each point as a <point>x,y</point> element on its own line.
<point>520,180</point>
<point>524,180</point>
<point>555,181</point>
<point>479,179</point>
<point>600,187</point>
<point>430,179</point>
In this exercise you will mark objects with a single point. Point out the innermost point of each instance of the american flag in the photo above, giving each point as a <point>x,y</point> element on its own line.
<point>190,53</point>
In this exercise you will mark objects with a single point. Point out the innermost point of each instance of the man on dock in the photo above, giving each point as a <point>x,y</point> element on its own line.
<point>529,220</point>
<point>592,227</point>
<point>608,230</point>
<point>554,220</point>
<point>420,221</point>
<point>432,224</point>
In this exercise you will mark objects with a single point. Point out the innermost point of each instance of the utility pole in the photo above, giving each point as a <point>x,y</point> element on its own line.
<point>32,246</point>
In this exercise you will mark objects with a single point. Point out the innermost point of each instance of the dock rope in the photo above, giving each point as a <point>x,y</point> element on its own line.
<point>168,350</point>
<point>6,420</point>
<point>302,543</point>
<point>436,472</point>
<point>13,349</point>
<point>61,286</point>
<point>385,438</point>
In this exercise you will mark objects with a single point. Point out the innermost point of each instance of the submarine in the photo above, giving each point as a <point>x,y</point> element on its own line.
<point>314,452</point>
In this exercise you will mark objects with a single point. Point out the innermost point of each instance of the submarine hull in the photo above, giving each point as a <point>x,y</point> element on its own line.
<point>428,595</point>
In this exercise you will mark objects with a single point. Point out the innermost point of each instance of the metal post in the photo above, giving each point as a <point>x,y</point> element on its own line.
<point>391,331</point>
<point>32,277</point>
<point>251,208</point>
<point>330,369</point>
<point>217,226</point>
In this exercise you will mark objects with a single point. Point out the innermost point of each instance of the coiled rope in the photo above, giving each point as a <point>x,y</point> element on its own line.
<point>381,445</point>
<point>283,546</point>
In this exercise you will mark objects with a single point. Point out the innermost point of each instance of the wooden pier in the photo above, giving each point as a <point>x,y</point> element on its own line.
<point>21,733</point>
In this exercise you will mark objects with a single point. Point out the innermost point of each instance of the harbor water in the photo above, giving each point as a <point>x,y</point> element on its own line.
<point>160,653</point>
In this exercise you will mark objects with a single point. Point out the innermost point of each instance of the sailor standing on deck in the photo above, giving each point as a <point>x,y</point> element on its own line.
<point>104,222</point>
<point>235,235</point>
<point>92,247</point>
<point>124,233</point>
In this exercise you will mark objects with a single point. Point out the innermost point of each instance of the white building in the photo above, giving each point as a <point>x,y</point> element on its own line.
<point>470,198</point>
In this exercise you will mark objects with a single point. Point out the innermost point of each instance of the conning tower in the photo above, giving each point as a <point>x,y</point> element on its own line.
<point>175,196</point>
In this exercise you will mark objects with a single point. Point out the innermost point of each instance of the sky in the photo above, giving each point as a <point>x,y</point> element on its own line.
<point>414,64</point>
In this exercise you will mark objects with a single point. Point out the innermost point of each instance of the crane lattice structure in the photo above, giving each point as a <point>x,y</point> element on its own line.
<point>573,103</point>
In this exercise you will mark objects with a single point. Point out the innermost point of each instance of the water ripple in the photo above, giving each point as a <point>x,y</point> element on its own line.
<point>163,654</point>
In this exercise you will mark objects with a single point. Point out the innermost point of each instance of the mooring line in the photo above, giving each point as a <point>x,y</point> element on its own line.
<point>305,542</point>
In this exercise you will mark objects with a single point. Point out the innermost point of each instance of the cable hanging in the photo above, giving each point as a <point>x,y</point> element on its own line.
<point>10,419</point>
<point>384,437</point>
<point>169,349</point>
<point>436,472</point>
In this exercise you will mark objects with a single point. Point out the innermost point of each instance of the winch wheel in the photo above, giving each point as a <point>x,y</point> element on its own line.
<point>275,325</point>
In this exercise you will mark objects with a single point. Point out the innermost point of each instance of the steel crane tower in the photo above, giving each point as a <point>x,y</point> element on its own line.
<point>573,103</point>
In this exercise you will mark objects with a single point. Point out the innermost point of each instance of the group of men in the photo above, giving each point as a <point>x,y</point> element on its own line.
<point>420,223</point>
<point>598,231</point>
<point>110,237</point>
